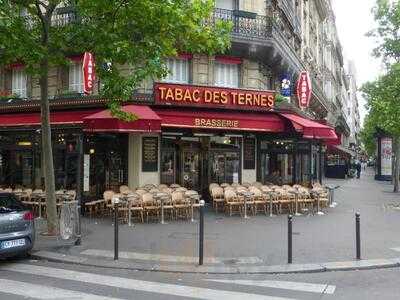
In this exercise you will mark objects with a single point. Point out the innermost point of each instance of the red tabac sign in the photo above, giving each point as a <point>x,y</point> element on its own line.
<point>88,72</point>
<point>215,97</point>
<point>304,89</point>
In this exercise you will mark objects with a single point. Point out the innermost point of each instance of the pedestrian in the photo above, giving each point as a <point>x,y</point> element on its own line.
<point>358,168</point>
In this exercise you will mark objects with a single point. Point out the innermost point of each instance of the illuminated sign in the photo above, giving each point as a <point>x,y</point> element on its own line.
<point>215,97</point>
<point>304,89</point>
<point>216,123</point>
<point>88,73</point>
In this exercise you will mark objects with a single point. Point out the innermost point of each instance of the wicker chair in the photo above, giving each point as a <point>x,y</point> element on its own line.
<point>181,205</point>
<point>260,201</point>
<point>217,195</point>
<point>136,206</point>
<point>232,203</point>
<point>150,206</point>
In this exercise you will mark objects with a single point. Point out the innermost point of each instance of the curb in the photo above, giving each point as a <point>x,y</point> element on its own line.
<point>207,269</point>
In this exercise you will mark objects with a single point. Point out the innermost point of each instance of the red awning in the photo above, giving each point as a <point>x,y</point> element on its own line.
<point>103,121</point>
<point>207,119</point>
<point>33,119</point>
<point>311,129</point>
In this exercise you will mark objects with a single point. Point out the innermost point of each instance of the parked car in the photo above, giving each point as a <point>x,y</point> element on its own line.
<point>17,229</point>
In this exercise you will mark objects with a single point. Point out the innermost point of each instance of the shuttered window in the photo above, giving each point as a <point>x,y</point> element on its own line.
<point>18,82</point>
<point>178,70</point>
<point>226,75</point>
<point>75,77</point>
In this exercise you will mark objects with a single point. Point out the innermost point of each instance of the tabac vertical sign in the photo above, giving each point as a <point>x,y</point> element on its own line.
<point>88,73</point>
<point>304,89</point>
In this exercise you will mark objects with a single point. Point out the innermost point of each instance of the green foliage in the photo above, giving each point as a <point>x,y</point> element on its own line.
<point>383,101</point>
<point>368,135</point>
<point>387,34</point>
<point>279,98</point>
<point>137,33</point>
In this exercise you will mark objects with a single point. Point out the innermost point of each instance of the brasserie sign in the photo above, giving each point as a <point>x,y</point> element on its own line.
<point>215,97</point>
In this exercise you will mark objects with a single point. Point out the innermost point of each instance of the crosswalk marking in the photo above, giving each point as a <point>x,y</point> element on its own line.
<point>170,258</point>
<point>395,249</point>
<point>286,285</point>
<point>138,285</point>
<point>29,290</point>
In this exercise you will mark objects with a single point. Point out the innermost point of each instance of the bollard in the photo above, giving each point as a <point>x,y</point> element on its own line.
<point>78,240</point>
<point>116,229</point>
<point>358,238</point>
<point>201,233</point>
<point>290,221</point>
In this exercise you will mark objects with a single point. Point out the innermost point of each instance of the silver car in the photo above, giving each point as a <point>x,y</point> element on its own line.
<point>17,229</point>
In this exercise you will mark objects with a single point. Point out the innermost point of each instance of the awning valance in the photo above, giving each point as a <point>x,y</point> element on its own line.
<point>56,118</point>
<point>207,119</point>
<point>103,121</point>
<point>311,129</point>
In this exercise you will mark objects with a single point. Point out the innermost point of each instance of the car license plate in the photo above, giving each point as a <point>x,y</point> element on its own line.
<point>13,243</point>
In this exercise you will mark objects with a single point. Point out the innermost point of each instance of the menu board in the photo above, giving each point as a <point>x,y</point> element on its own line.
<point>249,153</point>
<point>149,154</point>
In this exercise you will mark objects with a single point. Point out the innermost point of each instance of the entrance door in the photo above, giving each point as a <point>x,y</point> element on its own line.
<point>191,170</point>
<point>224,167</point>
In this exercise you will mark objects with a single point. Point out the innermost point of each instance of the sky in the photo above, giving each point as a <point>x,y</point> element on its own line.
<point>353,20</point>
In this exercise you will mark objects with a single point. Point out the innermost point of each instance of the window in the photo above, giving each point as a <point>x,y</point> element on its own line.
<point>75,77</point>
<point>178,70</point>
<point>18,83</point>
<point>226,75</point>
<point>225,4</point>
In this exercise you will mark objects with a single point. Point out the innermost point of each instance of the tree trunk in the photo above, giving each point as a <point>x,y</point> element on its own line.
<point>395,176</point>
<point>47,152</point>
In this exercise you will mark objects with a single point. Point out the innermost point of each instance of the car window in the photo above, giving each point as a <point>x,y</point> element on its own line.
<point>9,203</point>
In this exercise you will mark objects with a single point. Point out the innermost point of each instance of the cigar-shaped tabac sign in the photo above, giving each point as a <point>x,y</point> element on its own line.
<point>214,97</point>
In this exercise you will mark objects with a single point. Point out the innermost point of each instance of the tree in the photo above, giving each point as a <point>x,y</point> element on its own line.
<point>367,135</point>
<point>139,33</point>
<point>383,106</point>
<point>382,95</point>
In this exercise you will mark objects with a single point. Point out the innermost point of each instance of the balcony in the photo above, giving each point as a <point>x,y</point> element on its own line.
<point>245,24</point>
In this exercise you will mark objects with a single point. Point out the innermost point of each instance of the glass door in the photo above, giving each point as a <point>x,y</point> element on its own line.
<point>191,170</point>
<point>224,167</point>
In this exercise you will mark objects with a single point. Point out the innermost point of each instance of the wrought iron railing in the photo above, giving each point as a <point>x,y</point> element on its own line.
<point>245,24</point>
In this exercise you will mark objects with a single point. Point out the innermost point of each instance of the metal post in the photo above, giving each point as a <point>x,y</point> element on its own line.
<point>201,233</point>
<point>115,230</point>
<point>358,238</point>
<point>162,209</point>
<point>271,195</point>
<point>78,240</point>
<point>290,221</point>
<point>245,206</point>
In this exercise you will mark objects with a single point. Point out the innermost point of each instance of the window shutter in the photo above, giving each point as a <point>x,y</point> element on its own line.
<point>8,80</point>
<point>63,79</point>
<point>29,86</point>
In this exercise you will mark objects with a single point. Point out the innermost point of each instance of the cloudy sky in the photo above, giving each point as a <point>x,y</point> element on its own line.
<point>353,20</point>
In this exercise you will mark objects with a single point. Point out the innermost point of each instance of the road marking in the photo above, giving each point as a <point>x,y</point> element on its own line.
<point>395,249</point>
<point>137,285</point>
<point>286,285</point>
<point>172,258</point>
<point>37,291</point>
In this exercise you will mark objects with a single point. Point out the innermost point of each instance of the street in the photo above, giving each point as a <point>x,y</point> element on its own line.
<point>43,280</point>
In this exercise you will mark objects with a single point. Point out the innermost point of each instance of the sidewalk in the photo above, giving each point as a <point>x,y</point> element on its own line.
<point>232,243</point>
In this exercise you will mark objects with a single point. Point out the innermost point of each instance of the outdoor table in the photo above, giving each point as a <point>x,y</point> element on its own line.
<point>296,200</point>
<point>193,198</point>
<point>331,190</point>
<point>161,197</point>
<point>129,207</point>
<point>319,212</point>
<point>246,196</point>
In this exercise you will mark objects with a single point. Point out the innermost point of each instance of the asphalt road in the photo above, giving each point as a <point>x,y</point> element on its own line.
<point>28,279</point>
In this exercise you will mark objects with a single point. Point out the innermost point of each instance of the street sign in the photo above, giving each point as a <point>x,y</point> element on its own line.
<point>304,89</point>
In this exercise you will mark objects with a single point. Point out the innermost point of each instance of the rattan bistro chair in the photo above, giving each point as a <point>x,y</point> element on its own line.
<point>181,205</point>
<point>233,204</point>
<point>217,195</point>
<point>260,201</point>
<point>150,206</point>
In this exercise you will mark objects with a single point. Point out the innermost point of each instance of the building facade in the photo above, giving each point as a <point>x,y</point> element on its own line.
<point>212,119</point>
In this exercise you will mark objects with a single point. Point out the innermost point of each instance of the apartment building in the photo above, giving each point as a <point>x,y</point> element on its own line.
<point>212,119</point>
